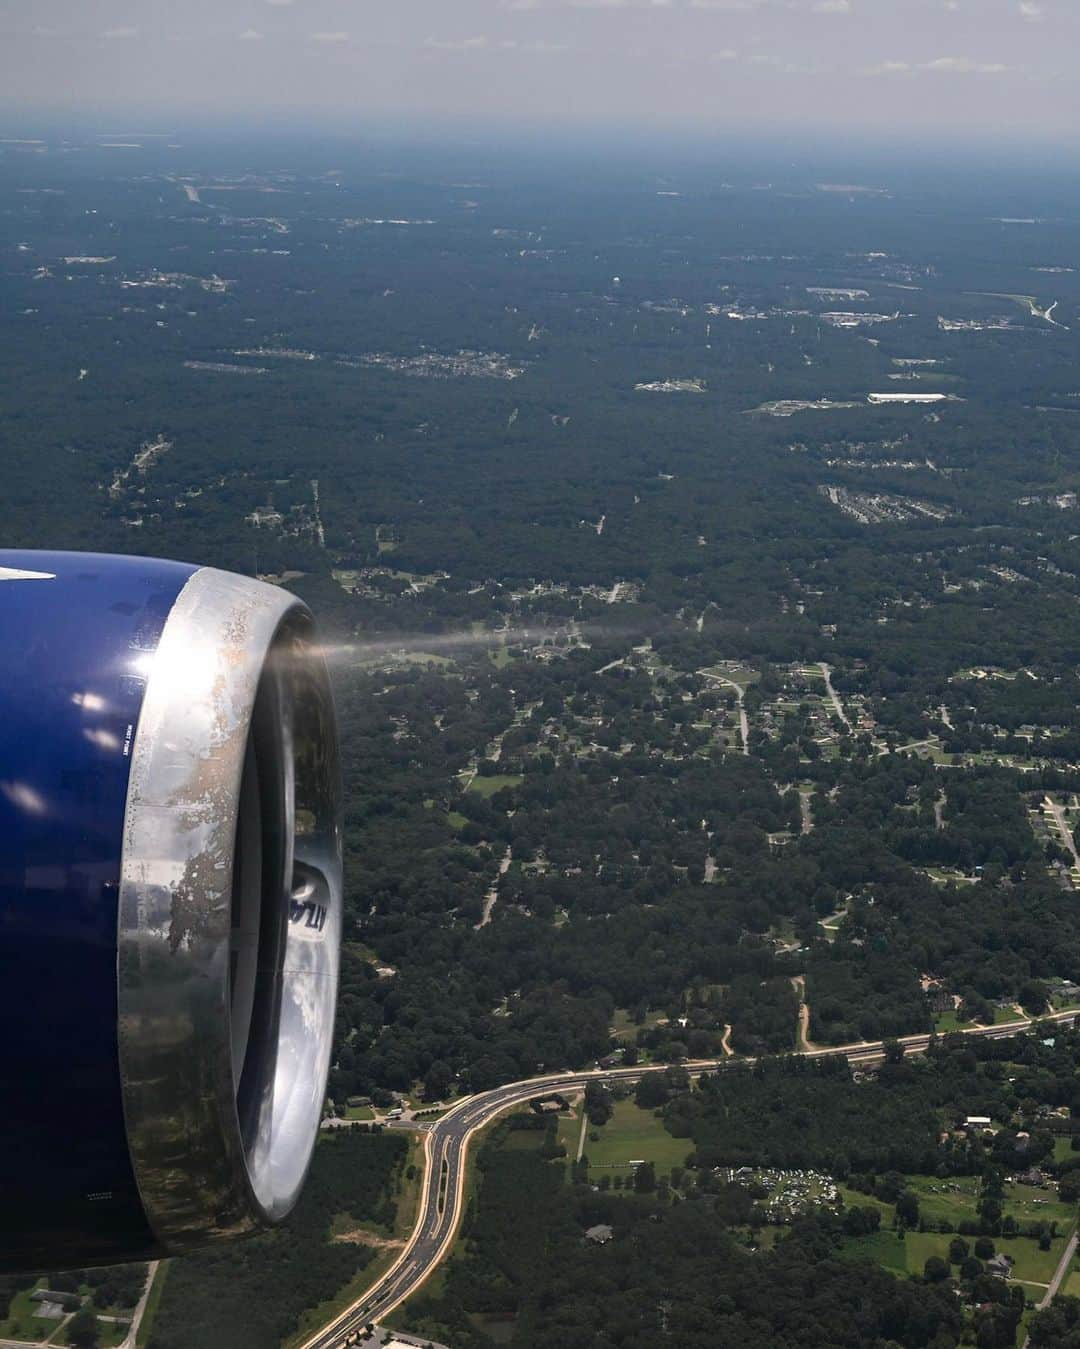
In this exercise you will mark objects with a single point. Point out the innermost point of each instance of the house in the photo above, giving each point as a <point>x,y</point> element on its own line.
<point>999,1265</point>
<point>939,998</point>
<point>53,1305</point>
<point>394,1339</point>
<point>1032,1177</point>
<point>600,1235</point>
<point>977,1122</point>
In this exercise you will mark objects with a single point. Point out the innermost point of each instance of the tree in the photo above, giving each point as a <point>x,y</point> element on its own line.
<point>907,1208</point>
<point>438,1081</point>
<point>83,1329</point>
<point>984,1248</point>
<point>652,1091</point>
<point>598,1104</point>
<point>1069,1187</point>
<point>645,1178</point>
<point>935,1270</point>
<point>958,1250</point>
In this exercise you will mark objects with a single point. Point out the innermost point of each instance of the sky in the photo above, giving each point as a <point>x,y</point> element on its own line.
<point>982,68</point>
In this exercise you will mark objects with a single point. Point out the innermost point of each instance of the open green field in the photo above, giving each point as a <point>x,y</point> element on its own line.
<point>489,786</point>
<point>950,1200</point>
<point>949,1021</point>
<point>955,1200</point>
<point>1030,1265</point>
<point>856,1199</point>
<point>624,1027</point>
<point>1028,1205</point>
<point>1062,1148</point>
<point>884,1248</point>
<point>633,1134</point>
<point>21,1324</point>
<point>569,1128</point>
<point>909,1254</point>
<point>391,659</point>
<point>743,675</point>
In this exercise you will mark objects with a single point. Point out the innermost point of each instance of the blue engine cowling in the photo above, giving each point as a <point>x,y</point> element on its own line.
<point>170,905</point>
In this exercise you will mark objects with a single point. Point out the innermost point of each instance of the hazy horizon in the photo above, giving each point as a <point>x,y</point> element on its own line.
<point>965,70</point>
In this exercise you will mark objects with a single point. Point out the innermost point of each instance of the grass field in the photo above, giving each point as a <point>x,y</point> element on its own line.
<point>1030,1265</point>
<point>884,1248</point>
<point>489,786</point>
<point>856,1199</point>
<point>391,659</point>
<point>950,1200</point>
<point>948,1021</point>
<point>1062,1149</point>
<point>633,1134</point>
<point>624,1027</point>
<point>21,1323</point>
<point>570,1127</point>
<point>955,1200</point>
<point>1029,1205</point>
<point>152,1301</point>
<point>908,1255</point>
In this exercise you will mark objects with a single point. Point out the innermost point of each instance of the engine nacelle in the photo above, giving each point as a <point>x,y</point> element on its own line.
<point>170,906</point>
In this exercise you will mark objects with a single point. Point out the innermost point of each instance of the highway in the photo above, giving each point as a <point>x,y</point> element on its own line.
<point>446,1145</point>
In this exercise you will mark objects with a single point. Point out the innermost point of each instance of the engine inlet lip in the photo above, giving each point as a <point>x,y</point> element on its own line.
<point>205,1168</point>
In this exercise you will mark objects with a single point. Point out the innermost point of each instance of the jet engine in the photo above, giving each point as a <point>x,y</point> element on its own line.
<point>170,906</point>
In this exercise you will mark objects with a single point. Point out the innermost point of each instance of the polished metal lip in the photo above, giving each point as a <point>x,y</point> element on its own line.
<point>221,1118</point>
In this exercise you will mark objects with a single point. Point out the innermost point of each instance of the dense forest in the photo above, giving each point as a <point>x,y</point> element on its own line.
<point>252,1295</point>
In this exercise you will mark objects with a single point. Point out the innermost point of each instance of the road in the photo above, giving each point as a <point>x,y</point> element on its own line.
<point>492,896</point>
<point>834,697</point>
<point>130,1338</point>
<point>740,694</point>
<point>1057,813</point>
<point>446,1146</point>
<point>1064,1265</point>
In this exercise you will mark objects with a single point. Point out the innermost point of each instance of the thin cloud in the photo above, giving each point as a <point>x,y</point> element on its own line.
<point>250,35</point>
<point>330,37</point>
<point>119,34</point>
<point>963,65</point>
<point>831,6</point>
<point>463,44</point>
<point>1031,11</point>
